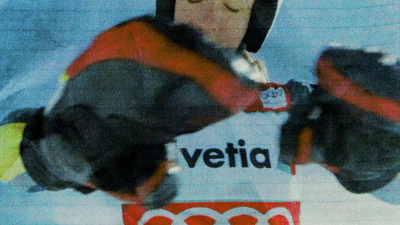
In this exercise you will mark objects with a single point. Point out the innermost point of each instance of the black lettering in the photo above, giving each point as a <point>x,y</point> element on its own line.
<point>191,160</point>
<point>253,158</point>
<point>211,154</point>
<point>215,157</point>
<point>231,151</point>
<point>243,153</point>
<point>243,157</point>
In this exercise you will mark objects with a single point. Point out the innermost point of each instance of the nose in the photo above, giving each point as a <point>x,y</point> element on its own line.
<point>210,15</point>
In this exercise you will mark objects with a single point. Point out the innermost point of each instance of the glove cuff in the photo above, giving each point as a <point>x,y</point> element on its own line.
<point>345,89</point>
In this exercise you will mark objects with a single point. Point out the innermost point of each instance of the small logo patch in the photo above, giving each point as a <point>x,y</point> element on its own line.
<point>274,98</point>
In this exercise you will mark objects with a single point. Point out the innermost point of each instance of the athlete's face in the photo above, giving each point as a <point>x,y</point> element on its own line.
<point>225,21</point>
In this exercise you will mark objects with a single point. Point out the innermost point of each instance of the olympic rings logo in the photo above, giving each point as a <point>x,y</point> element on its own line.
<point>220,219</point>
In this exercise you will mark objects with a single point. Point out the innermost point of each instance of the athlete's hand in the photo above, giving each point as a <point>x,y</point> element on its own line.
<point>351,120</point>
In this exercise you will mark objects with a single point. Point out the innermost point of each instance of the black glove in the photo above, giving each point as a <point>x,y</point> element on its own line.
<point>350,122</point>
<point>137,86</point>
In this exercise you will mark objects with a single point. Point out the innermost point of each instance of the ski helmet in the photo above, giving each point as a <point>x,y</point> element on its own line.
<point>262,17</point>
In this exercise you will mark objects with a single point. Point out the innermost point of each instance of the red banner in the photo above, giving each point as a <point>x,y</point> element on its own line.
<point>213,213</point>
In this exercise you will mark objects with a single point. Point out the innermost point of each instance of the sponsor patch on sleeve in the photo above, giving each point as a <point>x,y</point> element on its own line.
<point>272,97</point>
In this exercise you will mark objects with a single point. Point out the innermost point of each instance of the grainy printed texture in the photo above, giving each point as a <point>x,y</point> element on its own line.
<point>39,39</point>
